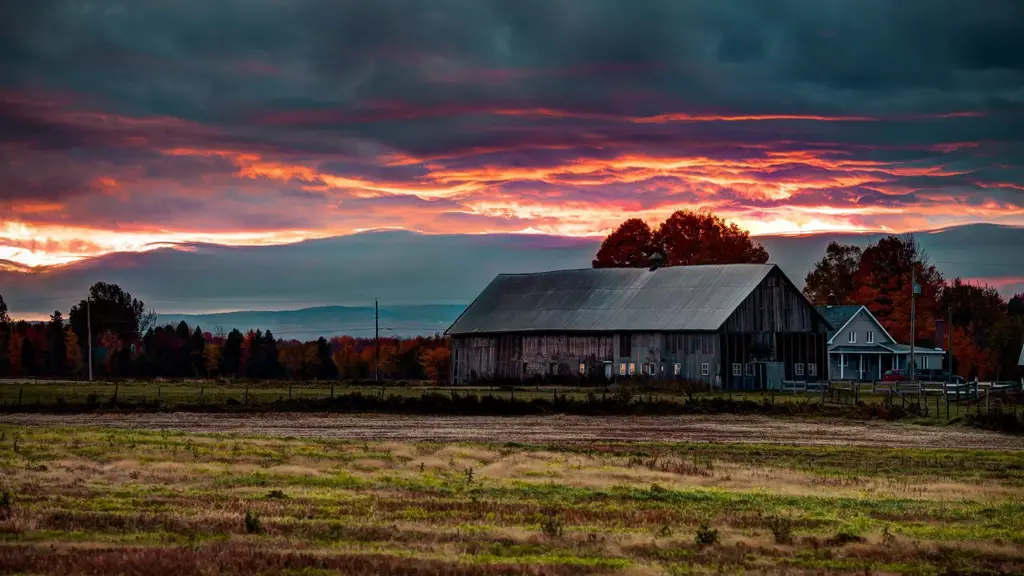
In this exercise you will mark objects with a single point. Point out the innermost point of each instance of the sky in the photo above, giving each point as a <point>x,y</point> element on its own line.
<point>128,125</point>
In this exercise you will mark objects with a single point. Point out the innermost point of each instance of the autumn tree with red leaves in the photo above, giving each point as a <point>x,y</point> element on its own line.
<point>629,246</point>
<point>987,335</point>
<point>686,238</point>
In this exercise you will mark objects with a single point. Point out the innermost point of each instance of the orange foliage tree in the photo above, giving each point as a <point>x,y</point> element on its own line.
<point>686,238</point>
<point>436,363</point>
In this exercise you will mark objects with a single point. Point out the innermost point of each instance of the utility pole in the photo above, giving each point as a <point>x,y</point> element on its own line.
<point>88,330</point>
<point>949,347</point>
<point>376,338</point>
<point>913,318</point>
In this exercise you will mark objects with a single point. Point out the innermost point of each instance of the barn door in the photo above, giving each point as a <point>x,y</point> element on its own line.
<point>775,372</point>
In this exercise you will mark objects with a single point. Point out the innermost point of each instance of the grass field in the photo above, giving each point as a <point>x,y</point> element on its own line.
<point>98,500</point>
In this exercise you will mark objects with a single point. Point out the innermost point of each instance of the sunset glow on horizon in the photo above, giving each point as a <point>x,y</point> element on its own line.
<point>498,119</point>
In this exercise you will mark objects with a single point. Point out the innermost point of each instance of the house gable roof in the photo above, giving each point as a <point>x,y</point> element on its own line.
<point>1021,361</point>
<point>612,299</point>
<point>840,316</point>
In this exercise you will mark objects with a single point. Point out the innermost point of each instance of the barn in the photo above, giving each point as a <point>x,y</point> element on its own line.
<point>738,326</point>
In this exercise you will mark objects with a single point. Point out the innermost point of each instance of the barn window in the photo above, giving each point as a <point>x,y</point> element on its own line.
<point>583,369</point>
<point>677,368</point>
<point>852,337</point>
<point>632,368</point>
<point>622,369</point>
<point>812,369</point>
<point>737,369</point>
<point>705,369</point>
<point>798,369</point>
<point>625,345</point>
<point>750,369</point>
<point>552,368</point>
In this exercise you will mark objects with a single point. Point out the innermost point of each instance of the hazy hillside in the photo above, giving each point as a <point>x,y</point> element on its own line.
<point>327,321</point>
<point>406,269</point>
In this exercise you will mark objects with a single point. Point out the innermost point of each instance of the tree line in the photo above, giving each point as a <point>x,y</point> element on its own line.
<point>128,344</point>
<point>987,330</point>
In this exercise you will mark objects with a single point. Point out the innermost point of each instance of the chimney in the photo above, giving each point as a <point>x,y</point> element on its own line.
<point>832,301</point>
<point>656,260</point>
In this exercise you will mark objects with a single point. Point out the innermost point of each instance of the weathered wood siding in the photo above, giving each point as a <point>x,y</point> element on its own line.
<point>522,356</point>
<point>774,306</point>
<point>626,354</point>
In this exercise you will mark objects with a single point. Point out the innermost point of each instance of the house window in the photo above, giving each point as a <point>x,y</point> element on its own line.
<point>750,369</point>
<point>737,369</point>
<point>798,369</point>
<point>583,369</point>
<point>632,368</point>
<point>622,369</point>
<point>705,368</point>
<point>812,369</point>
<point>852,337</point>
<point>869,337</point>
<point>677,368</point>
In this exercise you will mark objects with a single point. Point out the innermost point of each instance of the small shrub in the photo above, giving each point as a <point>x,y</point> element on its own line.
<point>843,538</point>
<point>552,526</point>
<point>276,494</point>
<point>134,474</point>
<point>469,475</point>
<point>888,538</point>
<point>706,535</point>
<point>782,529</point>
<point>252,522</point>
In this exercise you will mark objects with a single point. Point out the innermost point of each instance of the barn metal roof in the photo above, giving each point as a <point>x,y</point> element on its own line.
<point>612,299</point>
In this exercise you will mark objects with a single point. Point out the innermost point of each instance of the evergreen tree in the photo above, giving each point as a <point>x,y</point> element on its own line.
<point>271,364</point>
<point>57,354</point>
<point>28,357</point>
<point>183,340</point>
<point>197,348</point>
<point>231,355</point>
<point>326,370</point>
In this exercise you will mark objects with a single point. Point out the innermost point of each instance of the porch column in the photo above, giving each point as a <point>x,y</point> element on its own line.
<point>879,365</point>
<point>860,367</point>
<point>842,366</point>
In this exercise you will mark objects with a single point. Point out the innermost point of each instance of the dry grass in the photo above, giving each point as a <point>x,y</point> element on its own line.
<point>89,500</point>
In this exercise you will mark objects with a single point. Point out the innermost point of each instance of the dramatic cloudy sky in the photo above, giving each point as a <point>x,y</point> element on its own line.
<point>126,124</point>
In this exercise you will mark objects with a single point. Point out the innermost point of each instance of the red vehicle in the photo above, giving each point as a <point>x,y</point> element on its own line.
<point>895,375</point>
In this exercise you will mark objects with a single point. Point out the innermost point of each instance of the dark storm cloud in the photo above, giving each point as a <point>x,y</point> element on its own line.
<point>471,115</point>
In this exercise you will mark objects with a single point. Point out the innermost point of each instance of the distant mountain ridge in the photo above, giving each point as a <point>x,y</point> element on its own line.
<point>403,269</point>
<point>327,321</point>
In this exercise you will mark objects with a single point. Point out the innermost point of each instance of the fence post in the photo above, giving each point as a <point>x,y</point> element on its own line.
<point>246,399</point>
<point>117,384</point>
<point>332,390</point>
<point>20,392</point>
<point>202,390</point>
<point>289,391</point>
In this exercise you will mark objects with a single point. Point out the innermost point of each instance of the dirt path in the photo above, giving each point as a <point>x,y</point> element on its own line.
<point>542,429</point>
